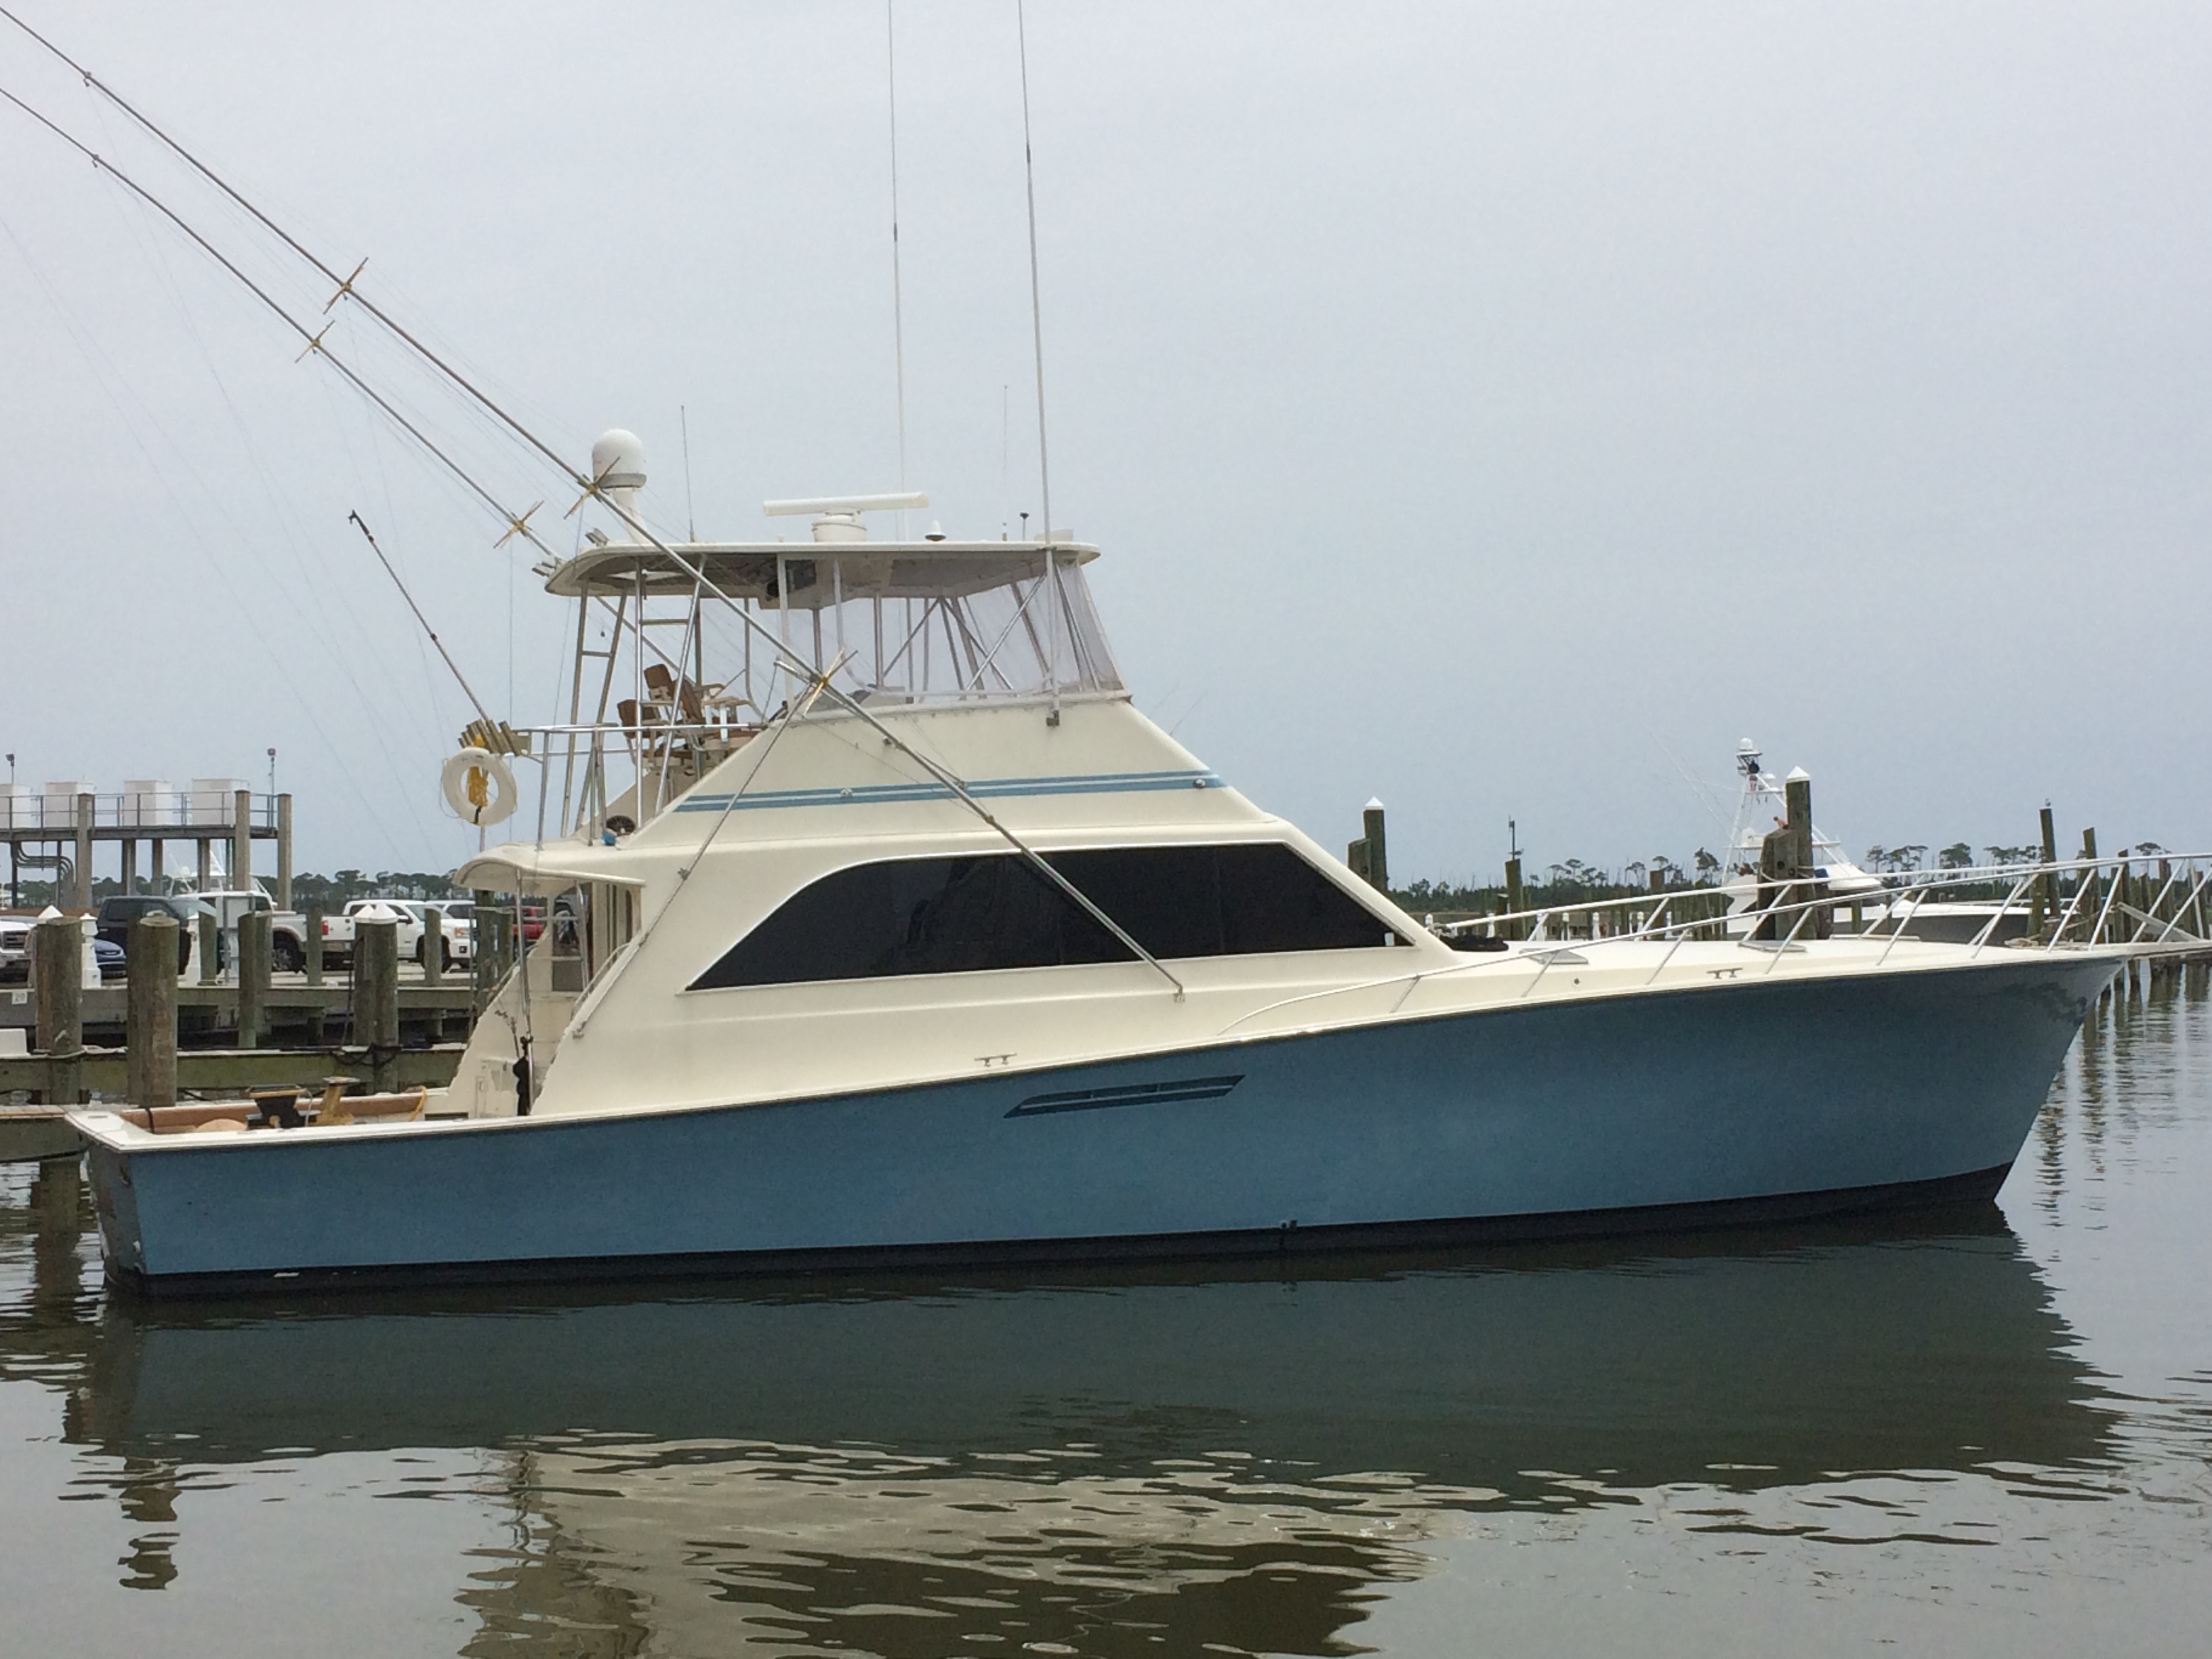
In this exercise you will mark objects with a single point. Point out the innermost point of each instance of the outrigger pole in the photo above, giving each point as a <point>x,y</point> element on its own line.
<point>591,486</point>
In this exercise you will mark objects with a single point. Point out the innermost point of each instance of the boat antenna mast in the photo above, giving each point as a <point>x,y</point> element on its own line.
<point>898,298</point>
<point>1054,619</point>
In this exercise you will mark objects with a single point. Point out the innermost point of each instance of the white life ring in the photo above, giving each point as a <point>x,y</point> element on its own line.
<point>479,786</point>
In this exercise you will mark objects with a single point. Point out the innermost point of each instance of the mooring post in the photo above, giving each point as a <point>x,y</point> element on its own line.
<point>58,971</point>
<point>1516,897</point>
<point>376,998</point>
<point>150,1013</point>
<point>1805,885</point>
<point>1378,855</point>
<point>284,852</point>
<point>241,841</point>
<point>2092,890</point>
<point>210,947</point>
<point>2046,884</point>
<point>83,882</point>
<point>255,930</point>
<point>433,945</point>
<point>310,944</point>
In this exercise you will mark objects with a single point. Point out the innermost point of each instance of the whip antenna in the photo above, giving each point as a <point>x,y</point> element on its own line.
<point>899,301</point>
<point>690,513</point>
<point>1036,340</point>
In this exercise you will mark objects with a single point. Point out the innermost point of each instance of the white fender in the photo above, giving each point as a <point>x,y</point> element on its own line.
<point>479,786</point>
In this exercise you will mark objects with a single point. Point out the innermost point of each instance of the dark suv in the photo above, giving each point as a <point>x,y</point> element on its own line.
<point>116,915</point>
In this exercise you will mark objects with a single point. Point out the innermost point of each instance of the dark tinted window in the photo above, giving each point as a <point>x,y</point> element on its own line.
<point>1220,901</point>
<point>953,915</point>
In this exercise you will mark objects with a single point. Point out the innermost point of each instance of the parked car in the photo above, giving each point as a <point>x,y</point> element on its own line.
<point>457,926</point>
<point>288,929</point>
<point>116,915</point>
<point>15,952</point>
<point>16,949</point>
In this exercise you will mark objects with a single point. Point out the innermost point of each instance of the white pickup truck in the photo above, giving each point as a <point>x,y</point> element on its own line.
<point>288,929</point>
<point>456,923</point>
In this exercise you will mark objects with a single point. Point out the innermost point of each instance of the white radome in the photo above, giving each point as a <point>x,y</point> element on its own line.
<point>618,460</point>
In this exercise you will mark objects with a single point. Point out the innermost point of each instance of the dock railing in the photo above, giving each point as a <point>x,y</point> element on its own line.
<point>177,814</point>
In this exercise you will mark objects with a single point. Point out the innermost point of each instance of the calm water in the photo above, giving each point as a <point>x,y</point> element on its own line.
<point>1979,1431</point>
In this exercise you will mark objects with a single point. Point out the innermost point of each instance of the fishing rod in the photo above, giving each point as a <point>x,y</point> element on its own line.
<point>346,288</point>
<point>592,487</point>
<point>517,524</point>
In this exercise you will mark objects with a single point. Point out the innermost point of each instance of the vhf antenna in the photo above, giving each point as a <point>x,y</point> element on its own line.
<point>898,301</point>
<point>1037,339</point>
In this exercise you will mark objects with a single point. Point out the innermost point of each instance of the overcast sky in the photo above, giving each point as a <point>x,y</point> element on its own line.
<point>1500,409</point>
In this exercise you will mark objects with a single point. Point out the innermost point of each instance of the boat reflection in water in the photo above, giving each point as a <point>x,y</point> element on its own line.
<point>1196,1455</point>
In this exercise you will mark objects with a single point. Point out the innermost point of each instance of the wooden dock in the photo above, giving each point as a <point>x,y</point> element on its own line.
<point>428,1013</point>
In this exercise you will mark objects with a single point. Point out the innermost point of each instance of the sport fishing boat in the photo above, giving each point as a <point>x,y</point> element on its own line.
<point>1865,901</point>
<point>884,925</point>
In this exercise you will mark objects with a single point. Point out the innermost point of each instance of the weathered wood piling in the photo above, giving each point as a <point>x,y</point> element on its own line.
<point>57,974</point>
<point>150,1038</point>
<point>376,998</point>
<point>1369,858</point>
<point>254,941</point>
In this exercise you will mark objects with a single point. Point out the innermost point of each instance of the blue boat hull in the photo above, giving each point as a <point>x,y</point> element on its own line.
<point>1778,1097</point>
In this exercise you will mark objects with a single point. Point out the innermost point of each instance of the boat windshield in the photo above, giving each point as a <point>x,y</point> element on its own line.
<point>903,621</point>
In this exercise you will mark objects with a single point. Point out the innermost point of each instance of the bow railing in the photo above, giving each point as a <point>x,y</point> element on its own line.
<point>2146,904</point>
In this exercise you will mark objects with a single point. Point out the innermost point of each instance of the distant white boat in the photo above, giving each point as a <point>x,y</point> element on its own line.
<point>1865,902</point>
<point>884,925</point>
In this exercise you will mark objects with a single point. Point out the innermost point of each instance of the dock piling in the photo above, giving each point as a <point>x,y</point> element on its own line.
<point>82,883</point>
<point>376,998</point>
<point>210,946</point>
<point>284,852</point>
<point>57,972</point>
<point>241,840</point>
<point>255,943</point>
<point>2092,891</point>
<point>2046,886</point>
<point>151,1020</point>
<point>433,945</point>
<point>1368,857</point>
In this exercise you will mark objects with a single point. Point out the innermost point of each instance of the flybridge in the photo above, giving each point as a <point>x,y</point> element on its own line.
<point>664,670</point>
<point>803,577</point>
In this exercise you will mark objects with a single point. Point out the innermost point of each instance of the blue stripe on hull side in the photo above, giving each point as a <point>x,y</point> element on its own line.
<point>877,795</point>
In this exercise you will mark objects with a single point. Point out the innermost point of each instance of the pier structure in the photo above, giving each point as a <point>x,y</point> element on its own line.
<point>55,830</point>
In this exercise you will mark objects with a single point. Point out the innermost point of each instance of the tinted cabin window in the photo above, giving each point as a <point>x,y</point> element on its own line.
<point>959,915</point>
